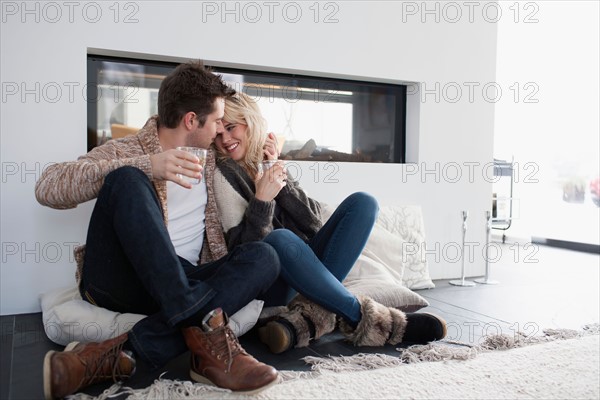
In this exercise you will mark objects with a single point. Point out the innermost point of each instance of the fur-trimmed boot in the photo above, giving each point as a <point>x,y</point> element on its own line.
<point>380,325</point>
<point>304,321</point>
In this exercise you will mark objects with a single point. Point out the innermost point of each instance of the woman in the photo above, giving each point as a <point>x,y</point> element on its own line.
<point>315,258</point>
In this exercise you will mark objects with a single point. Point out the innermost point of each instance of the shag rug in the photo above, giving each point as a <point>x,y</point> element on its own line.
<point>561,364</point>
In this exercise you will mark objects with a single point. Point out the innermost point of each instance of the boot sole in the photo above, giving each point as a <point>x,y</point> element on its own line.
<point>202,379</point>
<point>47,384</point>
<point>275,338</point>
<point>47,371</point>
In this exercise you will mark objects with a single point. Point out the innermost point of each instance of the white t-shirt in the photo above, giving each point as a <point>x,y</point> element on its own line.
<point>186,227</point>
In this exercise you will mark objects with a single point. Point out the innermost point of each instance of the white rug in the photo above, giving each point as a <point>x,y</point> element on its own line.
<point>553,369</point>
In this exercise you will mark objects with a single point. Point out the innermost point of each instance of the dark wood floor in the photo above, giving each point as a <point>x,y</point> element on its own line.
<point>550,288</point>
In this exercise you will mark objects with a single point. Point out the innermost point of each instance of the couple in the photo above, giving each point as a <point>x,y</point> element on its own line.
<point>156,246</point>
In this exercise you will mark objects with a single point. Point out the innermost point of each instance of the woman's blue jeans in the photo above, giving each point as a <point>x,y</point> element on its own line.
<point>130,266</point>
<point>317,268</point>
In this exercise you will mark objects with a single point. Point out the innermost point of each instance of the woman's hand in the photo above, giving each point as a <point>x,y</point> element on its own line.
<point>172,165</point>
<point>270,183</point>
<point>271,148</point>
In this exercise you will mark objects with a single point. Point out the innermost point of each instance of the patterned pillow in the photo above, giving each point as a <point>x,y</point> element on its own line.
<point>406,222</point>
<point>387,293</point>
<point>384,271</point>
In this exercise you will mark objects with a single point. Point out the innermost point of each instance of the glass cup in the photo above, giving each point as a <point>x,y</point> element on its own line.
<point>265,166</point>
<point>201,154</point>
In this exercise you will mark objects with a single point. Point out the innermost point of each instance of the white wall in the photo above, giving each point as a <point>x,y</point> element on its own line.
<point>383,41</point>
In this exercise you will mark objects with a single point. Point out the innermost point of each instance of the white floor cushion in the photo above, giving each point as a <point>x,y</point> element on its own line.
<point>68,318</point>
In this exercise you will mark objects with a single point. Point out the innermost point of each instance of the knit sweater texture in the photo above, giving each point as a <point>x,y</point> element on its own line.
<point>245,218</point>
<point>67,184</point>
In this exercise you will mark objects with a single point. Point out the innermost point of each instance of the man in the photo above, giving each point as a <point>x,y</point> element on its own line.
<point>148,230</point>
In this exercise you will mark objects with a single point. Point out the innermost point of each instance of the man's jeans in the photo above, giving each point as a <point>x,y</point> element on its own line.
<point>131,266</point>
<point>317,269</point>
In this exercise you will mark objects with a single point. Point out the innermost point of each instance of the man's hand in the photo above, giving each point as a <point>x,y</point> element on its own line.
<point>171,164</point>
<point>270,183</point>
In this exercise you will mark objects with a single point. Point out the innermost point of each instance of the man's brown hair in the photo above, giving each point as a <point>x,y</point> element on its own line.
<point>190,87</point>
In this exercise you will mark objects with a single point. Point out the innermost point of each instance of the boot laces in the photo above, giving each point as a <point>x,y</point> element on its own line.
<point>226,345</point>
<point>95,372</point>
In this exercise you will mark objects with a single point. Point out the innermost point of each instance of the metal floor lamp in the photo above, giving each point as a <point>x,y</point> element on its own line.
<point>486,279</point>
<point>462,281</point>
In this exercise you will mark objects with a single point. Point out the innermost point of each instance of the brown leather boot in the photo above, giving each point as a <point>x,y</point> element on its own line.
<point>219,359</point>
<point>81,365</point>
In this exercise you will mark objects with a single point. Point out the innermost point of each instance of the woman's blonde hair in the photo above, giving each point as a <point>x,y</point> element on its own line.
<point>242,109</point>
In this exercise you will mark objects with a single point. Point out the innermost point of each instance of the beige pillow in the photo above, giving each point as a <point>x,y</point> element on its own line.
<point>402,250</point>
<point>406,223</point>
<point>381,258</point>
<point>387,293</point>
<point>378,272</point>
